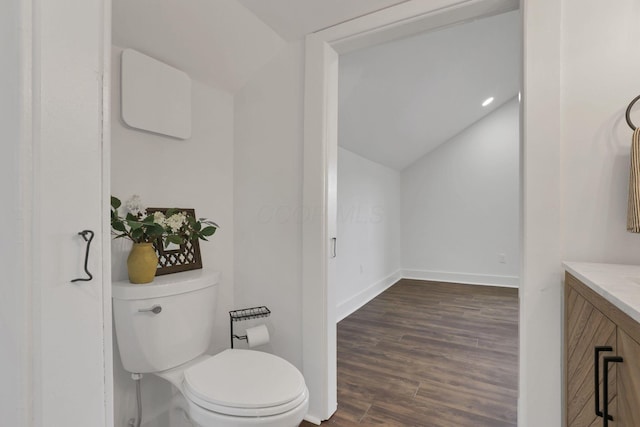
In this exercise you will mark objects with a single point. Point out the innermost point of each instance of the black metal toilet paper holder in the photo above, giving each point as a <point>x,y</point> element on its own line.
<point>246,314</point>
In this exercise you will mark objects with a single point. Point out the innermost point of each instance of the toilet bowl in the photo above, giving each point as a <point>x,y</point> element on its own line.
<point>164,329</point>
<point>240,388</point>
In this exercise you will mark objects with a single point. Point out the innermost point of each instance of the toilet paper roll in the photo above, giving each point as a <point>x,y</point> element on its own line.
<point>258,335</point>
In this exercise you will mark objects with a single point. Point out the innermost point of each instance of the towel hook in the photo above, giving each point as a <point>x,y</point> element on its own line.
<point>84,234</point>
<point>628,113</point>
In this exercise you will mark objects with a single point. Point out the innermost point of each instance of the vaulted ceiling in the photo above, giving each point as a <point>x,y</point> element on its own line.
<point>400,100</point>
<point>397,101</point>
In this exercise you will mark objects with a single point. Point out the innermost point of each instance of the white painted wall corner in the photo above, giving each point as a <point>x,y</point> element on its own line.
<point>351,305</point>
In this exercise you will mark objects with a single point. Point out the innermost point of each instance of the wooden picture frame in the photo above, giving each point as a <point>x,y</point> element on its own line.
<point>183,258</point>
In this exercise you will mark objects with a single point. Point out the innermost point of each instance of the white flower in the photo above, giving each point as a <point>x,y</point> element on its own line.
<point>134,205</point>
<point>176,221</point>
<point>159,218</point>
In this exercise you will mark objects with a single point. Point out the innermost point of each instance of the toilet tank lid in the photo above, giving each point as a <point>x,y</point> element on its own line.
<point>167,285</point>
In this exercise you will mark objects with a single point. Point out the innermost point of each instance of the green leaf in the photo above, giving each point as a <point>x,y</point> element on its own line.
<point>135,225</point>
<point>137,234</point>
<point>155,230</point>
<point>118,226</point>
<point>208,222</point>
<point>197,226</point>
<point>173,238</point>
<point>115,202</point>
<point>148,220</point>
<point>208,231</point>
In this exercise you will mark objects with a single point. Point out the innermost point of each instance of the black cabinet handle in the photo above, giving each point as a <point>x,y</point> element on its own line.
<point>605,388</point>
<point>596,370</point>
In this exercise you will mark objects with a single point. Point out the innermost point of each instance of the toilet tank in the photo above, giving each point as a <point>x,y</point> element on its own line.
<point>178,331</point>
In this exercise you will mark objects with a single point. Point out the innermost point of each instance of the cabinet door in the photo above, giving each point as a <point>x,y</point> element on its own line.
<point>585,328</point>
<point>628,381</point>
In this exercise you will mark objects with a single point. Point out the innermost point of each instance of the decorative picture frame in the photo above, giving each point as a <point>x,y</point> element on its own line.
<point>179,258</point>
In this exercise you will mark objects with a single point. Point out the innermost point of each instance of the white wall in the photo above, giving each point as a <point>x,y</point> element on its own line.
<point>603,35</point>
<point>166,172</point>
<point>600,70</point>
<point>581,68</point>
<point>14,291</point>
<point>220,43</point>
<point>368,243</point>
<point>268,198</point>
<point>460,205</point>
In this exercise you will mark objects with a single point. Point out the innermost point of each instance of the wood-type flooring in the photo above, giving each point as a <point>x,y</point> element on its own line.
<point>429,354</point>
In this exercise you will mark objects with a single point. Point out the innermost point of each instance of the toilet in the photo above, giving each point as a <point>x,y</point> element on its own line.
<point>164,328</point>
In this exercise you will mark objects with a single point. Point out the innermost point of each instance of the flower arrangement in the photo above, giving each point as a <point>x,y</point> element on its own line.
<point>173,227</point>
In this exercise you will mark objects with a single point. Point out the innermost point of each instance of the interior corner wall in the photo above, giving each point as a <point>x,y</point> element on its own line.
<point>460,205</point>
<point>368,231</point>
<point>167,172</point>
<point>15,399</point>
<point>268,199</point>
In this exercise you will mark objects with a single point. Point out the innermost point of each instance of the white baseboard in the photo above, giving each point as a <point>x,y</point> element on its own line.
<point>466,278</point>
<point>349,306</point>
<point>312,419</point>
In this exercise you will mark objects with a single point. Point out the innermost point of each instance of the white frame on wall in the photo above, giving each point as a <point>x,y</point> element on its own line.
<point>540,222</point>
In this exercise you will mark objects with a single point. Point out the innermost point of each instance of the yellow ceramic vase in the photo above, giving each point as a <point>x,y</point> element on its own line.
<point>142,263</point>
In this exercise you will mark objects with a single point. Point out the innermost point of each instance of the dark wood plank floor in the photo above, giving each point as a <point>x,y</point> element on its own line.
<point>430,354</point>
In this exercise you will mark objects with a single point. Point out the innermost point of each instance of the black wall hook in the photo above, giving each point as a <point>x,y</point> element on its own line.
<point>627,115</point>
<point>84,234</point>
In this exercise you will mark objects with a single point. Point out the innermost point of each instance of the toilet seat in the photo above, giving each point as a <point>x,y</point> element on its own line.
<point>245,383</point>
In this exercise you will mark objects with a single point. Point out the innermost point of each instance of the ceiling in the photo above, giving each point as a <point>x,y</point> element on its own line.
<point>400,100</point>
<point>217,42</point>
<point>397,101</point>
<point>293,19</point>
<point>223,43</point>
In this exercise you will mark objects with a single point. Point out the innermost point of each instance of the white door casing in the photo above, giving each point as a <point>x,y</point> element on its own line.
<point>319,227</point>
<point>71,326</point>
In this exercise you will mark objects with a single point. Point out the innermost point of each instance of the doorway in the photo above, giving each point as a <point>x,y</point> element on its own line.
<point>320,160</point>
<point>428,160</point>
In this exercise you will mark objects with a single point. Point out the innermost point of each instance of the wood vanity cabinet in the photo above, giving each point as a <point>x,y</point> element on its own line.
<point>596,330</point>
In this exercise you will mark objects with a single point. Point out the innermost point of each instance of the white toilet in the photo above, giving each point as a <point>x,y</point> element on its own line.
<point>164,328</point>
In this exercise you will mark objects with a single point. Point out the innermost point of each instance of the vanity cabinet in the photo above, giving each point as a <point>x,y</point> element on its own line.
<point>628,380</point>
<point>597,334</point>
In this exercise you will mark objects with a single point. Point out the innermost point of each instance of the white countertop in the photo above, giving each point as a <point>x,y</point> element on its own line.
<point>619,284</point>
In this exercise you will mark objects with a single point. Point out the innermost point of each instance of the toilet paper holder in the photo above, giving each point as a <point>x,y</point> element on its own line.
<point>246,314</point>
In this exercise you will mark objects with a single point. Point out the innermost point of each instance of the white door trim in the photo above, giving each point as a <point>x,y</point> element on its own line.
<point>28,392</point>
<point>107,313</point>
<point>322,49</point>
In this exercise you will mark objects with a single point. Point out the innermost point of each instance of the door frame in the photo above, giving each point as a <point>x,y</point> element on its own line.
<point>26,396</point>
<point>107,313</point>
<point>540,219</point>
